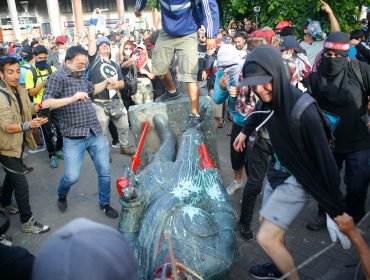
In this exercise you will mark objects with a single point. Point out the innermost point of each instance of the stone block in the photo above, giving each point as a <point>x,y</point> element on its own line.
<point>177,111</point>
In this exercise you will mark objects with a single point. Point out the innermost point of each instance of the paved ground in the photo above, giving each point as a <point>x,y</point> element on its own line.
<point>334,264</point>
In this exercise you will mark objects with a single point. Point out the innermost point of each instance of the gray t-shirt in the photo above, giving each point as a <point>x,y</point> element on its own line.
<point>102,70</point>
<point>312,50</point>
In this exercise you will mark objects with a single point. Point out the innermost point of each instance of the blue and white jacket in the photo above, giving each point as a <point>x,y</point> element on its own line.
<point>182,17</point>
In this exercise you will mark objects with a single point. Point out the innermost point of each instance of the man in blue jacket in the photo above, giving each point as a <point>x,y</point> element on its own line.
<point>181,20</point>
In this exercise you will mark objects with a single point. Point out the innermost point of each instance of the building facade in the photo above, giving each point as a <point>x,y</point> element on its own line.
<point>36,18</point>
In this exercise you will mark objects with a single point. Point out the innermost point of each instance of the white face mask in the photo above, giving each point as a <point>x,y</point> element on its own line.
<point>287,56</point>
<point>61,51</point>
<point>127,52</point>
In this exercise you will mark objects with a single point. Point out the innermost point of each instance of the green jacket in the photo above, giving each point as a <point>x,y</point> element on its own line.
<point>11,144</point>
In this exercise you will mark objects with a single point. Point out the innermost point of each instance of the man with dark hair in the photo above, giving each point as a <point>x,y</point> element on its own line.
<point>15,132</point>
<point>29,61</point>
<point>36,78</point>
<point>302,165</point>
<point>240,41</point>
<point>359,42</point>
<point>287,31</point>
<point>338,90</point>
<point>68,92</point>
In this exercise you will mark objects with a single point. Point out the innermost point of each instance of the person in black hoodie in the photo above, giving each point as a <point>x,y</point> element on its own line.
<point>297,170</point>
<point>338,90</point>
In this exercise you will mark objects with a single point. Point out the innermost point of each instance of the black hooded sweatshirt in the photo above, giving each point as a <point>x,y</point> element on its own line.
<point>314,166</point>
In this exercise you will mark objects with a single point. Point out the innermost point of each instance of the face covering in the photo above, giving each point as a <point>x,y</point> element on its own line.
<point>127,52</point>
<point>333,65</point>
<point>61,51</point>
<point>287,56</point>
<point>42,65</point>
<point>78,73</point>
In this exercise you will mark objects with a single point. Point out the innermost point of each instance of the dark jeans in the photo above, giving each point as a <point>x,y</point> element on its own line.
<point>113,131</point>
<point>18,184</point>
<point>256,165</point>
<point>51,129</point>
<point>357,179</point>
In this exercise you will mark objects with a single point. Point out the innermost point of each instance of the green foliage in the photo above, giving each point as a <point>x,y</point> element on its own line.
<point>296,11</point>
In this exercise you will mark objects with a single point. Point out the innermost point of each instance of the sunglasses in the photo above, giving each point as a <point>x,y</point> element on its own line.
<point>127,49</point>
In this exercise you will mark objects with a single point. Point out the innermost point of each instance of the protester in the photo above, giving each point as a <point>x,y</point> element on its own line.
<point>312,41</point>
<point>57,58</point>
<point>83,249</point>
<point>302,165</point>
<point>36,78</point>
<point>179,35</point>
<point>68,92</point>
<point>338,90</point>
<point>347,226</point>
<point>15,133</point>
<point>102,68</point>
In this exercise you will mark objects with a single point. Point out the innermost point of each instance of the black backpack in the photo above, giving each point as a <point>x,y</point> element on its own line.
<point>295,124</point>
<point>36,76</point>
<point>131,81</point>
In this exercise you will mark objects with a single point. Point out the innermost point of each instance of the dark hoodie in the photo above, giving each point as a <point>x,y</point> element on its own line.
<point>314,166</point>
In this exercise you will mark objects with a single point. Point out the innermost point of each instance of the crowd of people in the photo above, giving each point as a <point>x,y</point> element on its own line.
<point>299,112</point>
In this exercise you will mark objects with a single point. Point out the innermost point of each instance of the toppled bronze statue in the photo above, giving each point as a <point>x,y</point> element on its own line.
<point>176,213</point>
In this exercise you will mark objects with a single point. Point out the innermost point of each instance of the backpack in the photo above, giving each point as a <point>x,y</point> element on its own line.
<point>357,69</point>
<point>329,121</point>
<point>35,76</point>
<point>131,81</point>
<point>7,96</point>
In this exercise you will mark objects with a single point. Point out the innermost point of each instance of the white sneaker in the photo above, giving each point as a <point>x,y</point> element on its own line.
<point>234,186</point>
<point>5,241</point>
<point>34,227</point>
<point>37,149</point>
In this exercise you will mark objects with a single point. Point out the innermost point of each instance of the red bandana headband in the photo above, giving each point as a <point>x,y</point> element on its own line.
<point>336,46</point>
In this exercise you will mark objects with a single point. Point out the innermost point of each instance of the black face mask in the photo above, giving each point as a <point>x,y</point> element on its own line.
<point>332,66</point>
<point>42,64</point>
<point>77,74</point>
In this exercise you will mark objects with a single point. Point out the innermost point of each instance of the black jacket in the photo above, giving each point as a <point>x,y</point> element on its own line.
<point>313,166</point>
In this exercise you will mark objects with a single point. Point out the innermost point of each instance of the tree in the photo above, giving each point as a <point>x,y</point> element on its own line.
<point>296,11</point>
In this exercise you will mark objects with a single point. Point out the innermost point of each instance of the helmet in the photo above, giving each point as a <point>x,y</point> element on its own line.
<point>282,24</point>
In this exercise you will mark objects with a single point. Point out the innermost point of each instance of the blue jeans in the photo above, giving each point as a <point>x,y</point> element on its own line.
<point>74,150</point>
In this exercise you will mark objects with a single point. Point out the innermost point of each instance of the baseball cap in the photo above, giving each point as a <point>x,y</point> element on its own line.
<point>254,75</point>
<point>26,52</point>
<point>102,40</point>
<point>83,249</point>
<point>60,39</point>
<point>289,43</point>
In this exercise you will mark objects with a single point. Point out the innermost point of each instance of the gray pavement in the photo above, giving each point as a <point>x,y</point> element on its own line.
<point>335,263</point>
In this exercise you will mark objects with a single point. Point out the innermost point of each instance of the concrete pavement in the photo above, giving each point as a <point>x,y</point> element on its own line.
<point>334,264</point>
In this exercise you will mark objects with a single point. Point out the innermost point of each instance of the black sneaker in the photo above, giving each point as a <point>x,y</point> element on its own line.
<point>62,203</point>
<point>166,96</point>
<point>265,271</point>
<point>194,122</point>
<point>246,233</point>
<point>109,211</point>
<point>316,223</point>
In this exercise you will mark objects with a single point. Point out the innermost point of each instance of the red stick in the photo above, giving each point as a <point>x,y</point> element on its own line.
<point>136,157</point>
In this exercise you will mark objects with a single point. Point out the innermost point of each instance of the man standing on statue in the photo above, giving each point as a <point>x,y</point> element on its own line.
<point>181,20</point>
